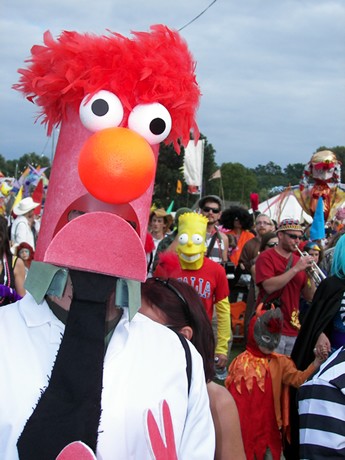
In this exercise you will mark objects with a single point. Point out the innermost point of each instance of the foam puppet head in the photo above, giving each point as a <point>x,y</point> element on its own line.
<point>191,240</point>
<point>321,178</point>
<point>115,99</point>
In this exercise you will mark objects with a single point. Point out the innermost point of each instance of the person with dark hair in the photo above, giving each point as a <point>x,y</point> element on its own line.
<point>238,222</point>
<point>268,240</point>
<point>12,270</point>
<point>216,241</point>
<point>322,331</point>
<point>178,306</point>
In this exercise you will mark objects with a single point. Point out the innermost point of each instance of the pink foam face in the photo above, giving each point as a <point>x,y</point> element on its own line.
<point>82,232</point>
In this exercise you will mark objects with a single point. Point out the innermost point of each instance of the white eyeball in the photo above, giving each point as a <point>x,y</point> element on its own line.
<point>103,110</point>
<point>197,239</point>
<point>183,238</point>
<point>152,121</point>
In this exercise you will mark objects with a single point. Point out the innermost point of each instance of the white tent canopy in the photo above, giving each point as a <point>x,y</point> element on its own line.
<point>284,206</point>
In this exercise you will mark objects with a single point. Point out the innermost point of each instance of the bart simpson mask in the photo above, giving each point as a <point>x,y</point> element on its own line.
<point>191,238</point>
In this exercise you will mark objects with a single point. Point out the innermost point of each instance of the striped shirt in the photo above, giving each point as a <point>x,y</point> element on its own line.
<point>322,411</point>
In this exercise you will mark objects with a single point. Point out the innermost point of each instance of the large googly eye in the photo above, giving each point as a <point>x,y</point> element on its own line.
<point>197,239</point>
<point>183,238</point>
<point>152,121</point>
<point>103,110</point>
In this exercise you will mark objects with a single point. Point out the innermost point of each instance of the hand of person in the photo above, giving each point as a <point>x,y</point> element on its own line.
<point>221,360</point>
<point>304,263</point>
<point>322,347</point>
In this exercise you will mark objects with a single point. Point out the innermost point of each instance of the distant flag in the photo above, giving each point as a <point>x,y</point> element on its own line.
<point>179,186</point>
<point>193,189</point>
<point>18,198</point>
<point>170,207</point>
<point>254,201</point>
<point>216,175</point>
<point>37,196</point>
<point>193,165</point>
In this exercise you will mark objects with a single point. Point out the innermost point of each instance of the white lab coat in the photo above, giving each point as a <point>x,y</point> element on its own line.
<point>145,364</point>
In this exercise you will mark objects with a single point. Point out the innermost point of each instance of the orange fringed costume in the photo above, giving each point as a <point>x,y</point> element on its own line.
<point>256,382</point>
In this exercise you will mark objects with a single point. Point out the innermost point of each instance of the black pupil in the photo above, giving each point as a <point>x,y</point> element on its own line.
<point>100,107</point>
<point>157,126</point>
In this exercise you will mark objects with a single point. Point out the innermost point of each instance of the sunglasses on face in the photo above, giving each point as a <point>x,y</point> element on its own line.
<point>271,245</point>
<point>293,237</point>
<point>208,209</point>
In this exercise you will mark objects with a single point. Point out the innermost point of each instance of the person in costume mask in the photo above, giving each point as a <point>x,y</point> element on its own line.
<point>75,344</point>
<point>256,381</point>
<point>206,276</point>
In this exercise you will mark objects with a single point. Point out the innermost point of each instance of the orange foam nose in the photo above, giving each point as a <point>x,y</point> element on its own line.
<point>116,165</point>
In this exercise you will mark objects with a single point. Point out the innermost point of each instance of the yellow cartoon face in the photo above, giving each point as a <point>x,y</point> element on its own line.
<point>191,240</point>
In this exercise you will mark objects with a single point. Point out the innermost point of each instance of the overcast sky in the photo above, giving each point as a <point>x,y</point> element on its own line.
<point>272,72</point>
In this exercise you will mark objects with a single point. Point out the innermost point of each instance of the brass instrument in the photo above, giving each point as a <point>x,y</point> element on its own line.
<point>314,270</point>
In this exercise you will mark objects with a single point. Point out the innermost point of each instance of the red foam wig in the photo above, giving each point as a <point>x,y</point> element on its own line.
<point>138,70</point>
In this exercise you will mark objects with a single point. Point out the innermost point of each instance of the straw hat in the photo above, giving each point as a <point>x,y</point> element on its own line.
<point>24,206</point>
<point>160,212</point>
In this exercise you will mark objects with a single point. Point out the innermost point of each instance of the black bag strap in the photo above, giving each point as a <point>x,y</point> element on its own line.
<point>215,236</point>
<point>287,268</point>
<point>188,358</point>
<point>212,243</point>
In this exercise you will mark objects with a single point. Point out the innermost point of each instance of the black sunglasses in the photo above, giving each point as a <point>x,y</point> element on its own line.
<point>208,209</point>
<point>294,237</point>
<point>271,245</point>
<point>178,294</point>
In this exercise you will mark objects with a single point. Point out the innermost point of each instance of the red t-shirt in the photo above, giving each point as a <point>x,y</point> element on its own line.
<point>270,264</point>
<point>209,281</point>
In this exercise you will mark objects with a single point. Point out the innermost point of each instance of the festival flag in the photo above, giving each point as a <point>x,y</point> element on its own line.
<point>216,175</point>
<point>179,186</point>
<point>170,207</point>
<point>193,165</point>
<point>18,197</point>
<point>193,189</point>
<point>37,196</point>
<point>254,201</point>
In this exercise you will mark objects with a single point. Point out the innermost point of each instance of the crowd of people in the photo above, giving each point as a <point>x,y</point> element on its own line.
<point>288,273</point>
<point>294,322</point>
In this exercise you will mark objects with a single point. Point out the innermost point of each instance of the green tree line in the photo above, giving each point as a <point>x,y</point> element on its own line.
<point>237,181</point>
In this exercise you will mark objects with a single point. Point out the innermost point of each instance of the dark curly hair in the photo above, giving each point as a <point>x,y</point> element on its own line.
<point>228,216</point>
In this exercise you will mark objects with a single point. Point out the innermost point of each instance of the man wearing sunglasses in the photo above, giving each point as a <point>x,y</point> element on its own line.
<point>282,278</point>
<point>217,242</point>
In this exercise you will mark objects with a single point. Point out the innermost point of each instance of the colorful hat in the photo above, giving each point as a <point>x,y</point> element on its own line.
<point>311,245</point>
<point>290,224</point>
<point>160,212</point>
